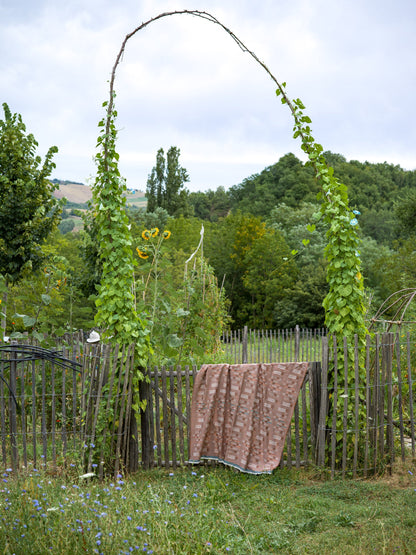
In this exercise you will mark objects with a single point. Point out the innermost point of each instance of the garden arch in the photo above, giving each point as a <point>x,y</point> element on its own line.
<point>344,307</point>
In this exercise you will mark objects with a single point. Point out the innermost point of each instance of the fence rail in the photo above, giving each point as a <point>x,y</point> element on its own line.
<point>76,406</point>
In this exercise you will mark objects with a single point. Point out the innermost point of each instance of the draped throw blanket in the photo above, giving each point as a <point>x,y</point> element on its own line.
<point>240,413</point>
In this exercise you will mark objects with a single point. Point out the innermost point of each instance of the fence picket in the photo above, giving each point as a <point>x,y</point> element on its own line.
<point>367,405</point>
<point>345,412</point>
<point>3,417</point>
<point>188,373</point>
<point>112,374</point>
<point>172,416</point>
<point>356,404</point>
<point>157,416</point>
<point>180,416</point>
<point>34,402</point>
<point>122,426</point>
<point>114,435</point>
<point>43,424</point>
<point>146,419</point>
<point>165,417</point>
<point>385,382</point>
<point>23,415</point>
<point>96,394</point>
<point>297,439</point>
<point>304,423</point>
<point>320,458</point>
<point>53,408</point>
<point>75,404</point>
<point>400,398</point>
<point>63,414</point>
<point>130,443</point>
<point>334,411</point>
<point>314,373</point>
<point>410,384</point>
<point>13,411</point>
<point>376,410</point>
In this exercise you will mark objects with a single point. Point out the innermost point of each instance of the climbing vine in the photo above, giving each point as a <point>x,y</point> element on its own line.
<point>116,314</point>
<point>344,306</point>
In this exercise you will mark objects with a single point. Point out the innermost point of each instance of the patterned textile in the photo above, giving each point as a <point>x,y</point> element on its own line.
<point>240,413</point>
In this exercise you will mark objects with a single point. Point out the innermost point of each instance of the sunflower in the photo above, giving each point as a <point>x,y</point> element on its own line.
<point>146,234</point>
<point>142,254</point>
<point>166,234</point>
<point>154,231</point>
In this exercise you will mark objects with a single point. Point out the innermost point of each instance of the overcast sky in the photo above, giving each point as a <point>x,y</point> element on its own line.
<point>184,82</point>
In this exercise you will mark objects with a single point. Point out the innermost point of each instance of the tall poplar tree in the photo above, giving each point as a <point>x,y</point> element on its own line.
<point>165,184</point>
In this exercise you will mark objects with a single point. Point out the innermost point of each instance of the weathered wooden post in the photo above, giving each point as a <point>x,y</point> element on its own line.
<point>323,410</point>
<point>244,358</point>
<point>145,392</point>
<point>314,400</point>
<point>12,406</point>
<point>297,343</point>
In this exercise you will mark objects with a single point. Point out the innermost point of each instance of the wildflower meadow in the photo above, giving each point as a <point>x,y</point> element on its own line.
<point>206,509</point>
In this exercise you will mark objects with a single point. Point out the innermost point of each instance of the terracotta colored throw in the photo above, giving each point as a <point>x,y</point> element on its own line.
<point>241,413</point>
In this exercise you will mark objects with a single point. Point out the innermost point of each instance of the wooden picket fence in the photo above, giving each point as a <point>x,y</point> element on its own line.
<point>251,346</point>
<point>72,406</point>
<point>75,405</point>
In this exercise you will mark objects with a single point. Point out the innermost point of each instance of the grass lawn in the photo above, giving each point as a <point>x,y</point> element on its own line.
<point>207,510</point>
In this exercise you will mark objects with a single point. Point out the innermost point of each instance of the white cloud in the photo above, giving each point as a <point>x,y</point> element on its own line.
<point>184,82</point>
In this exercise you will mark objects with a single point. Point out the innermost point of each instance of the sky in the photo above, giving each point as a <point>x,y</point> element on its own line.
<point>184,82</point>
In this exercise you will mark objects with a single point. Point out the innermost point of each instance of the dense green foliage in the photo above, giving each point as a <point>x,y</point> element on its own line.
<point>387,252</point>
<point>267,217</point>
<point>28,210</point>
<point>384,194</point>
<point>52,300</point>
<point>185,309</point>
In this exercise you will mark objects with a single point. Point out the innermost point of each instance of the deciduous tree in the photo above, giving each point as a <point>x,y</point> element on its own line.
<point>28,210</point>
<point>165,185</point>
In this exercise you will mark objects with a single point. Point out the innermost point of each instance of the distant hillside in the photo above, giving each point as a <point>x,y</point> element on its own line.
<point>73,192</point>
<point>78,193</point>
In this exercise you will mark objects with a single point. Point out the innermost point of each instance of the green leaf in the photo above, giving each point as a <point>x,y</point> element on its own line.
<point>174,341</point>
<point>46,299</point>
<point>181,313</point>
<point>29,321</point>
<point>38,336</point>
